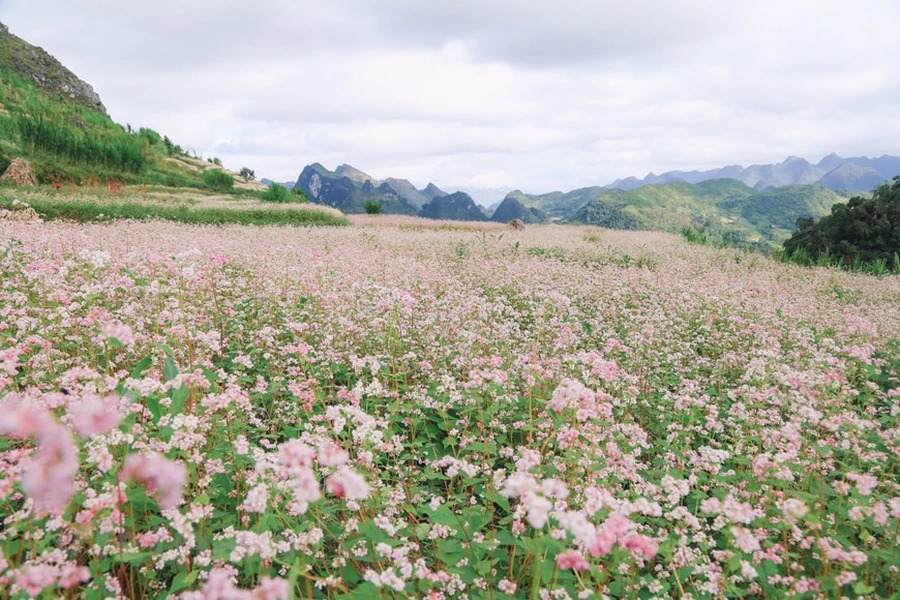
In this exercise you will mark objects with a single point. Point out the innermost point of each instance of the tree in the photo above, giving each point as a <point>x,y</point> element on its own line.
<point>372,206</point>
<point>247,173</point>
<point>862,231</point>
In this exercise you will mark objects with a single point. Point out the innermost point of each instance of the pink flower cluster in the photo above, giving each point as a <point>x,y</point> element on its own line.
<point>162,478</point>
<point>48,477</point>
<point>220,586</point>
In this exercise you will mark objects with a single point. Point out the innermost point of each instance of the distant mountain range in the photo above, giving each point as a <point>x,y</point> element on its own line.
<point>855,174</point>
<point>759,204</point>
<point>347,188</point>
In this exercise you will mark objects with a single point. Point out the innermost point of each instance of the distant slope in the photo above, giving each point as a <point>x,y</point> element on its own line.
<point>347,188</point>
<point>860,174</point>
<point>458,206</point>
<point>511,208</point>
<point>774,213</point>
<point>724,206</point>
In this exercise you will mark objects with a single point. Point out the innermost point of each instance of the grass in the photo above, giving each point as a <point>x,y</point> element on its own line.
<point>209,210</point>
<point>879,267</point>
<point>218,180</point>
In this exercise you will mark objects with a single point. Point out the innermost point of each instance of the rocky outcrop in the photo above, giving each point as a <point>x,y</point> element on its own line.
<point>45,71</point>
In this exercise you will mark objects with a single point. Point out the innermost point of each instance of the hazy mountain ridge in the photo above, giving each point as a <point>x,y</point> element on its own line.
<point>855,174</point>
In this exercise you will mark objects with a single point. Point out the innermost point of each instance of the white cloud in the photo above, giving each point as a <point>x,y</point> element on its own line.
<point>533,95</point>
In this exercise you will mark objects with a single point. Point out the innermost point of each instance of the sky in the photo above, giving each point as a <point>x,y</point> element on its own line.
<point>486,94</point>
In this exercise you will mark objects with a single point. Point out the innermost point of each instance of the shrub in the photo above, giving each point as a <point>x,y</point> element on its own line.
<point>218,180</point>
<point>299,195</point>
<point>372,206</point>
<point>695,236</point>
<point>151,136</point>
<point>276,193</point>
<point>247,173</point>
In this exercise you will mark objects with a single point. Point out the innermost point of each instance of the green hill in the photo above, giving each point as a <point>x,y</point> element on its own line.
<point>862,232</point>
<point>511,209</point>
<point>723,207</point>
<point>58,123</point>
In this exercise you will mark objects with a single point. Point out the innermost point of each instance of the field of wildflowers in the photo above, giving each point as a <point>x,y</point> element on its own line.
<point>402,412</point>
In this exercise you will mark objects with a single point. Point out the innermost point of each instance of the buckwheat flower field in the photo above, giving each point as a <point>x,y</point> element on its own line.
<point>387,411</point>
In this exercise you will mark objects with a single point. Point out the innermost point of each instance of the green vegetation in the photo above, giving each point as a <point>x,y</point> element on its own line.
<point>69,143</point>
<point>372,206</point>
<point>299,195</point>
<point>277,193</point>
<point>114,151</point>
<point>862,235</point>
<point>247,173</point>
<point>218,180</point>
<point>726,211</point>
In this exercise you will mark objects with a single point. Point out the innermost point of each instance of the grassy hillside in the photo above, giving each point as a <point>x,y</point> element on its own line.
<point>776,211</point>
<point>67,142</point>
<point>90,168</point>
<point>724,208</point>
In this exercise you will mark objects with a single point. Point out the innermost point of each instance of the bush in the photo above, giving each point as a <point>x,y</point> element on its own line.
<point>218,180</point>
<point>277,193</point>
<point>151,136</point>
<point>299,195</point>
<point>247,173</point>
<point>372,206</point>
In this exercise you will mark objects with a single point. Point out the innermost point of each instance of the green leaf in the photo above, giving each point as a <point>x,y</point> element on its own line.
<point>141,366</point>
<point>182,581</point>
<point>179,397</point>
<point>861,589</point>
<point>170,369</point>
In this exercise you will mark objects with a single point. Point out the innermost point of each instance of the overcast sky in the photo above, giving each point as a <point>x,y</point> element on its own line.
<point>536,95</point>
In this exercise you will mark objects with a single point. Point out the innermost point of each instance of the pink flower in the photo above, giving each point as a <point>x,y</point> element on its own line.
<point>161,477</point>
<point>93,415</point>
<point>745,540</point>
<point>306,486</point>
<point>272,589</point>
<point>49,476</point>
<point>507,587</point>
<point>618,524</point>
<point>257,499</point>
<point>118,331</point>
<point>35,578</point>
<point>332,455</point>
<point>294,455</point>
<point>219,586</point>
<point>642,543</point>
<point>72,575</point>
<point>572,559</point>
<point>602,543</point>
<point>348,484</point>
